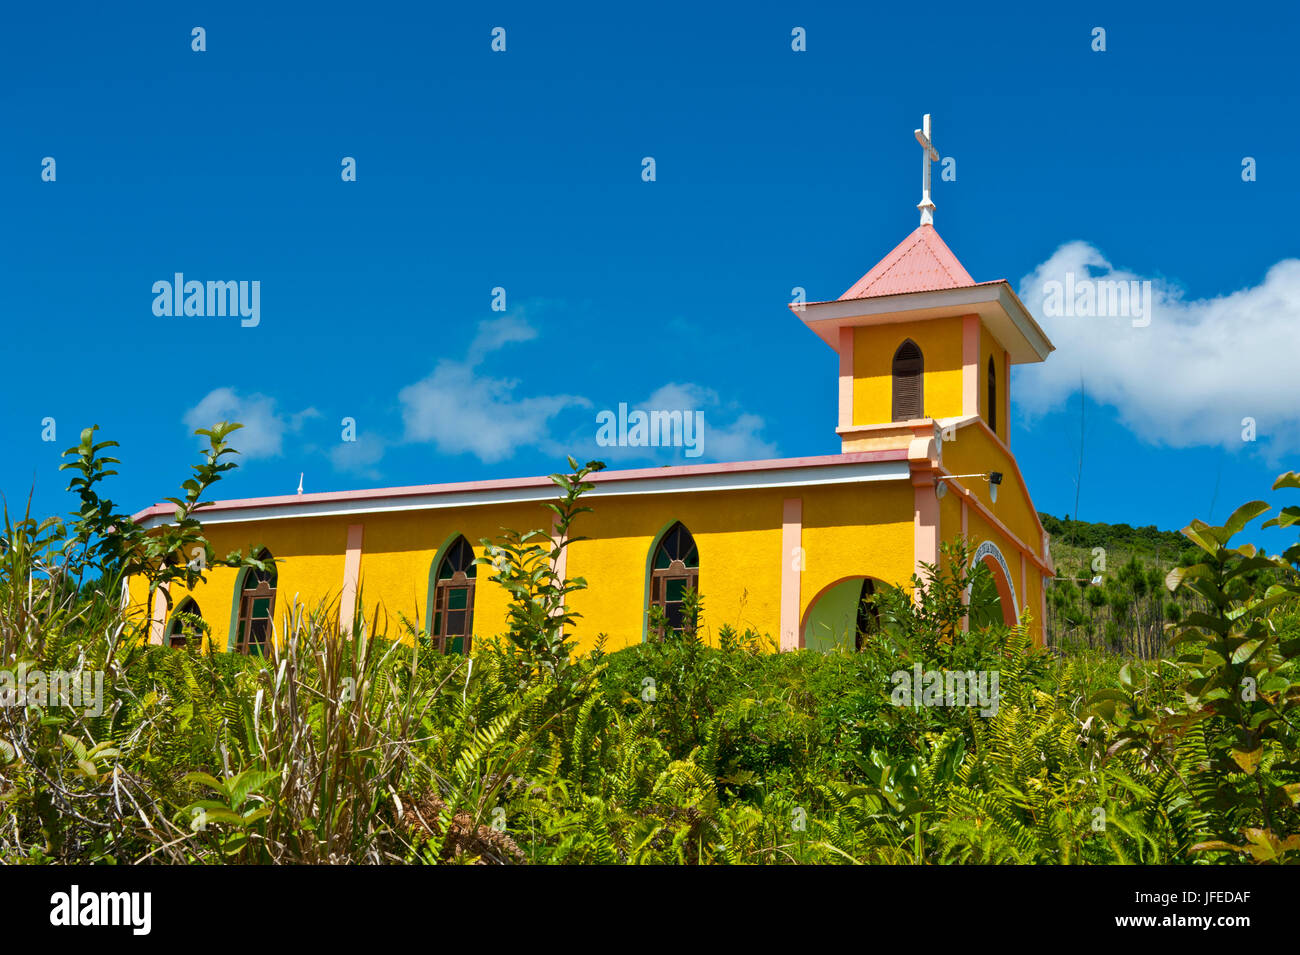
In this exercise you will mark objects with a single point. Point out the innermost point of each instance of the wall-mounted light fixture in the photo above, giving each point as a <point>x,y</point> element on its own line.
<point>994,479</point>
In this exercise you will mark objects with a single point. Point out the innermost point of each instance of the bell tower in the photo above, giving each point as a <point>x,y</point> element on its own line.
<point>925,356</point>
<point>922,345</point>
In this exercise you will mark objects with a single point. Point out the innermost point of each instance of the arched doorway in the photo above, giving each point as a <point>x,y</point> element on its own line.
<point>843,615</point>
<point>992,598</point>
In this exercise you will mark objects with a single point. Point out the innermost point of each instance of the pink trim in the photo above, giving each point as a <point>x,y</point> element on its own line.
<point>792,565</point>
<point>836,301</point>
<point>846,377</point>
<point>562,563</point>
<point>1040,634</point>
<point>601,477</point>
<point>925,521</point>
<point>1001,309</point>
<point>1001,528</point>
<point>1024,590</point>
<point>158,618</point>
<point>970,365</point>
<point>351,579</point>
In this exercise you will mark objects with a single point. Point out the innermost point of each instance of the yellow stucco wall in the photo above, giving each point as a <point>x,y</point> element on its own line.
<point>1025,576</point>
<point>974,452</point>
<point>851,531</point>
<point>738,534</point>
<point>990,348</point>
<point>398,550</point>
<point>940,341</point>
<point>848,530</point>
<point>311,550</point>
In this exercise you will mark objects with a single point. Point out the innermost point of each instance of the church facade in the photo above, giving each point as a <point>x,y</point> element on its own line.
<point>784,547</point>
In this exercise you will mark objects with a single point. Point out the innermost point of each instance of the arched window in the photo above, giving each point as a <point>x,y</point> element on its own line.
<point>453,599</point>
<point>993,397</point>
<point>908,371</point>
<point>181,631</point>
<point>675,570</point>
<point>256,608</point>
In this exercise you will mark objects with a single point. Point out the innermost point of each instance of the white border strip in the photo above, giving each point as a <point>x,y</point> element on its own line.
<point>681,484</point>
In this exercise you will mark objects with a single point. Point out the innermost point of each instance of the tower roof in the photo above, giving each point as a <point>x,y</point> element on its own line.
<point>921,279</point>
<point>920,263</point>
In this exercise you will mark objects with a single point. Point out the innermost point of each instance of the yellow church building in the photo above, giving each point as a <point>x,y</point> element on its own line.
<point>784,547</point>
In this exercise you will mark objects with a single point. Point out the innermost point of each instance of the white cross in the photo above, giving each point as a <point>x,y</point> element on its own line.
<point>928,154</point>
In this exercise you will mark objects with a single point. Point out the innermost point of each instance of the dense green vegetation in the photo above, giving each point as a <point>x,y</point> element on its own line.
<point>1111,589</point>
<point>703,747</point>
<point>1124,539</point>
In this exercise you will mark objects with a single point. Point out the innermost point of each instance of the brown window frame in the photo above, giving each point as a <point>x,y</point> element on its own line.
<point>908,379</point>
<point>267,582</point>
<point>676,570</point>
<point>442,593</point>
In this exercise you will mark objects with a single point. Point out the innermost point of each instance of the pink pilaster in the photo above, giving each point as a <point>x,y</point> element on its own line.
<point>970,365</point>
<point>792,566</point>
<point>923,461</point>
<point>846,377</point>
<point>351,579</point>
<point>1041,632</point>
<point>925,523</point>
<point>1024,579</point>
<point>561,566</point>
<point>158,615</point>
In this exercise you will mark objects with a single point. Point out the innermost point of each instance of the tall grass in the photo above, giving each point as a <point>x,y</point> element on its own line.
<point>364,747</point>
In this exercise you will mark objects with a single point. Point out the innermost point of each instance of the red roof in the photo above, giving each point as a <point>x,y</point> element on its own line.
<point>920,263</point>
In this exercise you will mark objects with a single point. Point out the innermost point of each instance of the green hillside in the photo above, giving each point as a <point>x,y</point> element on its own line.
<point>1127,610</point>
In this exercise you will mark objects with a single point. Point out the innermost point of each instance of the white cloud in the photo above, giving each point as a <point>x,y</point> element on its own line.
<point>738,439</point>
<point>264,428</point>
<point>359,456</point>
<point>1190,376</point>
<point>498,332</point>
<point>461,411</point>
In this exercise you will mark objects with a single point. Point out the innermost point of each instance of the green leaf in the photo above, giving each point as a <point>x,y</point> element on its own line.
<point>1243,516</point>
<point>1246,651</point>
<point>1248,760</point>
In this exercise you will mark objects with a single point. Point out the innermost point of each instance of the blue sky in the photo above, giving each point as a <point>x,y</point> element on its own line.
<point>522,170</point>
